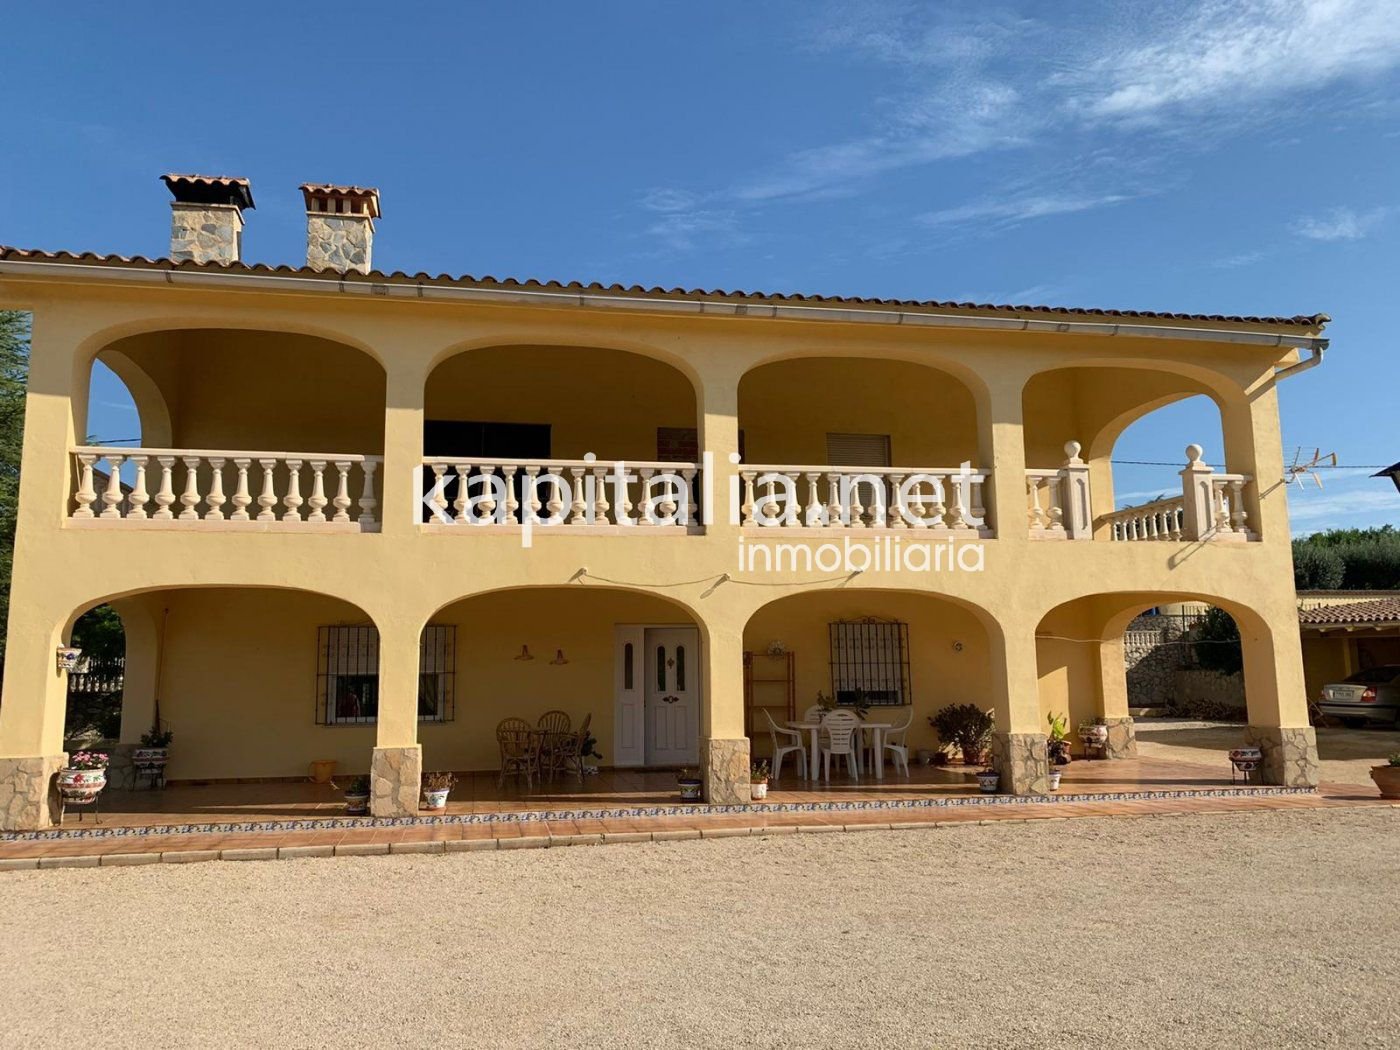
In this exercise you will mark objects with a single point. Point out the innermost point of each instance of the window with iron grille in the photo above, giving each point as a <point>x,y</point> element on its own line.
<point>347,675</point>
<point>870,661</point>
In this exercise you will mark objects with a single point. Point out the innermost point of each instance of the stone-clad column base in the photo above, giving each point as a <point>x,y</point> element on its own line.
<point>1022,761</point>
<point>28,796</point>
<point>1290,755</point>
<point>1122,738</point>
<point>724,766</point>
<point>395,780</point>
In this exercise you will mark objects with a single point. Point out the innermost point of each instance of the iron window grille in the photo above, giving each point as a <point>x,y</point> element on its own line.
<point>347,676</point>
<point>870,662</point>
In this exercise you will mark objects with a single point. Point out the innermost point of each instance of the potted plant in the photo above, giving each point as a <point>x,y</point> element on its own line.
<point>1093,734</point>
<point>357,797</point>
<point>435,789</point>
<point>1057,746</point>
<point>82,780</point>
<point>692,787</point>
<point>966,727</point>
<point>589,749</point>
<point>758,779</point>
<point>150,758</point>
<point>987,780</point>
<point>1387,777</point>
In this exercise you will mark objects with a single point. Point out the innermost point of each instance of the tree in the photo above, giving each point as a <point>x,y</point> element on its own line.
<point>14,370</point>
<point>1217,642</point>
<point>1353,559</point>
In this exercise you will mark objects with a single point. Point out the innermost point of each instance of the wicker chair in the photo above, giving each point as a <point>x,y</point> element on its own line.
<point>520,750</point>
<point>554,732</point>
<point>568,750</point>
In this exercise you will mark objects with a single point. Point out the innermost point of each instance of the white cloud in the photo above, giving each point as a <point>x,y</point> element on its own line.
<point>999,212</point>
<point>1342,224</point>
<point>1342,505</point>
<point>1233,262</point>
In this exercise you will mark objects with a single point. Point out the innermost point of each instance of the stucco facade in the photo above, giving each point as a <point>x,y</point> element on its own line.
<point>226,363</point>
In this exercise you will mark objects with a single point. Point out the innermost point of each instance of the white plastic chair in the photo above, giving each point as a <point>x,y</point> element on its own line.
<point>813,713</point>
<point>897,745</point>
<point>838,738</point>
<point>794,736</point>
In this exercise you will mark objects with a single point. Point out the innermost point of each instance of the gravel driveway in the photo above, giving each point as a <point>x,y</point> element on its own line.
<point>1258,930</point>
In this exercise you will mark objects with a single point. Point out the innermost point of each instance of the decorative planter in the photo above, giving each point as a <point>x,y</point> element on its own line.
<point>80,787</point>
<point>1387,778</point>
<point>691,790</point>
<point>150,758</point>
<point>68,658</point>
<point>758,789</point>
<point>1055,776</point>
<point>1246,759</point>
<point>356,805</point>
<point>1096,735</point>
<point>988,781</point>
<point>436,799</point>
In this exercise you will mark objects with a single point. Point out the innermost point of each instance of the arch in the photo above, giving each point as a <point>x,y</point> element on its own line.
<point>921,354</point>
<point>242,387</point>
<point>787,406</point>
<point>613,403</point>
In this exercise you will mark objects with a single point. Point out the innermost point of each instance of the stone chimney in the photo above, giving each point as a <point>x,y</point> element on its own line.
<point>340,226</point>
<point>206,217</point>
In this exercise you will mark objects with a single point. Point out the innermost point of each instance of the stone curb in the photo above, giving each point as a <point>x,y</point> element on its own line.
<point>127,860</point>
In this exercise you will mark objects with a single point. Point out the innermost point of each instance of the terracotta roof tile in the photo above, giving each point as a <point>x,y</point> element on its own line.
<point>1376,611</point>
<point>641,291</point>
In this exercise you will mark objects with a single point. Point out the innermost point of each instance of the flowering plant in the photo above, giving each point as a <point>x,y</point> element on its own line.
<point>87,760</point>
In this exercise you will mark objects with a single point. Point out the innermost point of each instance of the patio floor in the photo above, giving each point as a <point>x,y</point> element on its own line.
<point>256,821</point>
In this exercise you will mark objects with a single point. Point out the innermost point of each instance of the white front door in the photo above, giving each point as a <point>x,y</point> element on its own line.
<point>672,696</point>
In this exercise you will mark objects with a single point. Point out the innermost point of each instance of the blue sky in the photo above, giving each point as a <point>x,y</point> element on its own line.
<point>1232,157</point>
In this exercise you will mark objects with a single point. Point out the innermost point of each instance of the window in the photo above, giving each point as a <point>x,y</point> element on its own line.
<point>870,661</point>
<point>347,676</point>
<point>858,450</point>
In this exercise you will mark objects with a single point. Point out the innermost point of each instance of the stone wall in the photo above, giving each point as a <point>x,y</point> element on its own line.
<point>339,242</point>
<point>725,770</point>
<point>28,795</point>
<point>395,780</point>
<point>205,232</point>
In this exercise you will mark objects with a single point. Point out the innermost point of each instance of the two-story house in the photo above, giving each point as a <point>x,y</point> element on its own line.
<point>372,514</point>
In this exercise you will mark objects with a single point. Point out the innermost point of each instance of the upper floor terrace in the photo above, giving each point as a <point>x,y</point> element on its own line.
<point>326,399</point>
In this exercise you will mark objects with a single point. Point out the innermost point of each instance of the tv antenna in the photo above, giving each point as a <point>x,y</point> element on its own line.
<point>1299,469</point>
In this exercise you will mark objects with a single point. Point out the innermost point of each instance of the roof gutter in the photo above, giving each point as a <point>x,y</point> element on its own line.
<point>1314,358</point>
<point>604,300</point>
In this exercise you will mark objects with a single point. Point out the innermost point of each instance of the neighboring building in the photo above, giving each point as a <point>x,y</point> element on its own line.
<point>286,597</point>
<point>1345,632</point>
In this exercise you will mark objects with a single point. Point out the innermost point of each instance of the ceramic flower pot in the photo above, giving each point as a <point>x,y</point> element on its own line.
<point>1055,776</point>
<point>1387,778</point>
<point>145,758</point>
<point>80,787</point>
<point>758,789</point>
<point>691,790</point>
<point>68,658</point>
<point>988,781</point>
<point>1246,759</point>
<point>356,805</point>
<point>1094,734</point>
<point>435,799</point>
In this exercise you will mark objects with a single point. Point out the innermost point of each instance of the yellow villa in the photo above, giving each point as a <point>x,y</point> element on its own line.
<point>372,514</point>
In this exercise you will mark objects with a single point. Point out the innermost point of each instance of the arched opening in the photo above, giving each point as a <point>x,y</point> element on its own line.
<point>627,664</point>
<point>277,425</point>
<point>818,419</point>
<point>1112,659</point>
<point>906,655</point>
<point>521,413</point>
<point>1124,432</point>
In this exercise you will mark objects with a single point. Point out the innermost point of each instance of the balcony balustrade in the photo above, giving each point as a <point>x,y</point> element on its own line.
<point>943,500</point>
<point>488,492</point>
<point>1211,508</point>
<point>336,490</point>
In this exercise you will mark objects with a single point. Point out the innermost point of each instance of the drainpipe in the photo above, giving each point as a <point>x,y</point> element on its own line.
<point>1313,359</point>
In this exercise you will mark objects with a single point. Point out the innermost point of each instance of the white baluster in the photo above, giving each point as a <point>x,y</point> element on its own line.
<point>979,507</point>
<point>486,508</point>
<point>136,502</point>
<point>896,507</point>
<point>112,498</point>
<point>815,509</point>
<point>292,500</point>
<point>834,509</point>
<point>532,505</point>
<point>578,508</point>
<point>600,495</point>
<point>955,516</point>
<point>748,504</point>
<point>215,500</point>
<point>648,510</point>
<point>367,501</point>
<point>267,499</point>
<point>189,499</point>
<point>555,503</point>
<point>688,476</point>
<point>317,500</point>
<point>86,494</point>
<point>459,504</point>
<point>342,491</point>
<point>166,496</point>
<point>1238,515</point>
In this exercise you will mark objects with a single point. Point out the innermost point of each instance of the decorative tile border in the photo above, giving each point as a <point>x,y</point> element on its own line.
<point>691,810</point>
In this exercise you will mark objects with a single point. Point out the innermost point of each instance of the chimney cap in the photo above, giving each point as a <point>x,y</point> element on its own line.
<point>210,189</point>
<point>366,198</point>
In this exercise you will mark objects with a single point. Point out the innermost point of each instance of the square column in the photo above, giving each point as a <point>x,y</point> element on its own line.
<point>1113,700</point>
<point>28,795</point>
<point>396,767</point>
<point>1290,754</point>
<point>724,749</point>
<point>1018,745</point>
<point>395,780</point>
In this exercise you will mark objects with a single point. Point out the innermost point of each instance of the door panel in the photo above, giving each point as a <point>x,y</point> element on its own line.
<point>672,696</point>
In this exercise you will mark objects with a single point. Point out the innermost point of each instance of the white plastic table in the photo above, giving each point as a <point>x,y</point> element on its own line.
<point>814,728</point>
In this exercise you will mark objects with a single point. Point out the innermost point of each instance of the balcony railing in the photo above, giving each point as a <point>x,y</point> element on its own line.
<point>945,500</point>
<point>488,492</point>
<point>200,488</point>
<point>1159,520</point>
<point>1057,500</point>
<point>1211,507</point>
